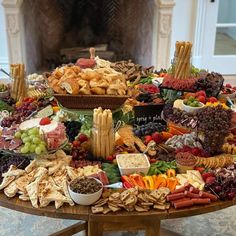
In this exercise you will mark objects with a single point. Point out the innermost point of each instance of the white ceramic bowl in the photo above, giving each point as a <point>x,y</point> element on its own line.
<point>192,109</point>
<point>86,199</point>
<point>131,170</point>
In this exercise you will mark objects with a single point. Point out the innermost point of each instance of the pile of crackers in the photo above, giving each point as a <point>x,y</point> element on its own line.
<point>19,88</point>
<point>133,199</point>
<point>216,161</point>
<point>182,60</point>
<point>103,133</point>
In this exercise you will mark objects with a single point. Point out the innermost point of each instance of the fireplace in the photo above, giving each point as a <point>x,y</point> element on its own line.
<point>47,33</point>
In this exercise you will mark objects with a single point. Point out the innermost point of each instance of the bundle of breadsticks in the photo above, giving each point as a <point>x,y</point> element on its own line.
<point>17,72</point>
<point>103,134</point>
<point>182,60</point>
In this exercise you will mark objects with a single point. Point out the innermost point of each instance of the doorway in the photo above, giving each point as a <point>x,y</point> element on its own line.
<point>216,25</point>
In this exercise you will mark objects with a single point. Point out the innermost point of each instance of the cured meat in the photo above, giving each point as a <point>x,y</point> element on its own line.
<point>55,137</point>
<point>208,195</point>
<point>191,195</point>
<point>201,201</point>
<point>182,204</point>
<point>175,196</point>
<point>14,144</point>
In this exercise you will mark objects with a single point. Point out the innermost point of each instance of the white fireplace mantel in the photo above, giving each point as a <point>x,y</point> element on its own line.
<point>15,30</point>
<point>161,40</point>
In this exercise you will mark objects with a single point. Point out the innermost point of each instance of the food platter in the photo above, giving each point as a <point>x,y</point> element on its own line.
<point>168,155</point>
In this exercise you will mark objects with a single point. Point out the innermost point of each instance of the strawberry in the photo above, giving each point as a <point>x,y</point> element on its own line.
<point>157,137</point>
<point>110,158</point>
<point>82,138</point>
<point>210,180</point>
<point>147,138</point>
<point>207,175</point>
<point>212,99</point>
<point>45,121</point>
<point>76,143</point>
<point>201,99</point>
<point>201,93</point>
<point>228,86</point>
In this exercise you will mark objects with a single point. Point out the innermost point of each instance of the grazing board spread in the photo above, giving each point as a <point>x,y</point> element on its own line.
<point>164,148</point>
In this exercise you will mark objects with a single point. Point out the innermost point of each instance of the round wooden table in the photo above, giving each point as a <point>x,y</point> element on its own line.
<point>96,224</point>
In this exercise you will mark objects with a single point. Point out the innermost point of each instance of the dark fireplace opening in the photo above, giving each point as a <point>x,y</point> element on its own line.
<point>60,31</point>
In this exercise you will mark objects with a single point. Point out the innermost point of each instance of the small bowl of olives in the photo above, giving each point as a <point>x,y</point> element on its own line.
<point>4,91</point>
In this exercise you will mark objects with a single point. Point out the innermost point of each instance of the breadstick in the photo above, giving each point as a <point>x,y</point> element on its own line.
<point>183,60</point>
<point>94,143</point>
<point>99,140</point>
<point>111,133</point>
<point>103,134</point>
<point>14,75</point>
<point>20,85</point>
<point>179,61</point>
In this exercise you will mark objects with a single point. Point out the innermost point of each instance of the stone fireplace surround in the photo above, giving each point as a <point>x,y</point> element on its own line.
<point>22,43</point>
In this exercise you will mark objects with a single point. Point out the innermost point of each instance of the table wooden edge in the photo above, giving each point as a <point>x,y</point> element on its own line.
<point>84,212</point>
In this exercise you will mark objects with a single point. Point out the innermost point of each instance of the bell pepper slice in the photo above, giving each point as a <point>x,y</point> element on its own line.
<point>137,180</point>
<point>162,180</point>
<point>171,173</point>
<point>166,135</point>
<point>127,185</point>
<point>149,183</point>
<point>127,180</point>
<point>171,183</point>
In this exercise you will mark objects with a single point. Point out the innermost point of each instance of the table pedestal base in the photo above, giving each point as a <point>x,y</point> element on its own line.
<point>95,228</point>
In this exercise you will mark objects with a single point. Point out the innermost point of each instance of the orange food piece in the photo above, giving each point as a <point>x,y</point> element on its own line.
<point>166,135</point>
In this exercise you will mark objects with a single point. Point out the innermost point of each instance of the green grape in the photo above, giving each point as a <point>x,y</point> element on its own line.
<point>36,140</point>
<point>33,131</point>
<point>31,137</point>
<point>26,140</point>
<point>23,135</point>
<point>38,150</point>
<point>27,144</point>
<point>18,134</point>
<point>42,147</point>
<point>32,148</point>
<point>24,150</point>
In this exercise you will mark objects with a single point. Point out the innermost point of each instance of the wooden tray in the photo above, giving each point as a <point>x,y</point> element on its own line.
<point>90,101</point>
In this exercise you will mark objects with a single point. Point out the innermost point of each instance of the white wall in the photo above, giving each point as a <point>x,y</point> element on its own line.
<point>3,43</point>
<point>184,16</point>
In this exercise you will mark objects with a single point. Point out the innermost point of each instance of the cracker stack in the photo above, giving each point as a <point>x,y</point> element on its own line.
<point>182,60</point>
<point>103,134</point>
<point>19,86</point>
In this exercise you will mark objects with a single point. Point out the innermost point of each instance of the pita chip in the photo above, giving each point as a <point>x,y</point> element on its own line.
<point>11,189</point>
<point>7,179</point>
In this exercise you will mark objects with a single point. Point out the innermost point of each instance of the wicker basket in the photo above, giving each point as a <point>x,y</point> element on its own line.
<point>90,101</point>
